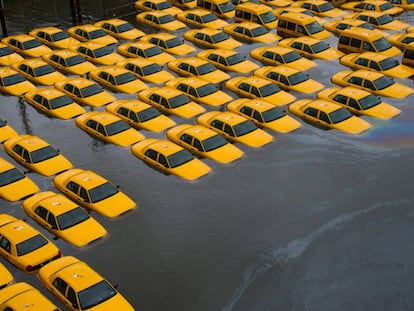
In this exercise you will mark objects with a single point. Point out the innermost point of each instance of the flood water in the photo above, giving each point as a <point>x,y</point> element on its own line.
<point>316,220</point>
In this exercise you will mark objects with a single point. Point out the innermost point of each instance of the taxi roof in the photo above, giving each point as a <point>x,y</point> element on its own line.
<point>88,179</point>
<point>30,142</point>
<point>20,37</point>
<point>114,21</point>
<point>323,105</point>
<point>79,82</point>
<point>86,27</point>
<point>257,104</point>
<point>32,62</point>
<point>352,92</point>
<point>165,147</point>
<point>49,93</point>
<point>229,118</point>
<point>57,203</point>
<point>102,117</point>
<point>18,231</point>
<point>200,132</point>
<point>49,30</point>
<point>167,92</point>
<point>253,80</point>
<point>133,104</point>
<point>79,275</point>
<point>160,35</point>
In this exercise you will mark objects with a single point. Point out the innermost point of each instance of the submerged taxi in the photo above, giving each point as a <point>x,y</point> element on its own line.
<point>251,32</point>
<point>108,127</point>
<point>24,294</point>
<point>169,43</point>
<point>290,79</point>
<point>63,218</point>
<point>374,82</point>
<point>36,155</point>
<point>97,53</point>
<point>86,289</point>
<point>38,71</point>
<point>24,246</point>
<point>85,92</point>
<point>257,87</point>
<point>359,102</point>
<point>140,115</point>
<point>312,48</point>
<point>387,65</point>
<point>401,40</point>
<point>204,142</point>
<point>170,158</point>
<point>194,66</point>
<point>54,37</point>
<point>54,103</point>
<point>278,55</point>
<point>146,70</point>
<point>157,5</point>
<point>120,29</point>
<point>91,33</point>
<point>6,279</point>
<point>264,114</point>
<point>200,90</point>
<point>69,62</point>
<point>379,20</point>
<point>211,38</point>
<point>328,115</point>
<point>320,8</point>
<point>228,60</point>
<point>160,20</point>
<point>171,101</point>
<point>337,27</point>
<point>26,45</point>
<point>13,83</point>
<point>14,184</point>
<point>201,18</point>
<point>235,128</point>
<point>118,79</point>
<point>6,131</point>
<point>8,56</point>
<point>145,50</point>
<point>373,5</point>
<point>93,192</point>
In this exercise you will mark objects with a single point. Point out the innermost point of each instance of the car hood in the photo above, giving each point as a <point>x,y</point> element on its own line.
<point>51,78</point>
<point>114,206</point>
<point>382,111</point>
<point>302,64</point>
<point>18,190</point>
<point>280,98</point>
<point>84,232</point>
<point>81,69</point>
<point>158,124</point>
<point>109,59</point>
<point>159,77</point>
<point>309,86</point>
<point>256,138</point>
<point>215,99</point>
<point>188,110</point>
<point>10,59</point>
<point>116,302</point>
<point>215,76</point>
<point>394,25</point>
<point>7,132</point>
<point>125,138</point>
<point>352,125</point>
<point>98,100</point>
<point>191,170</point>
<point>329,54</point>
<point>132,87</point>
<point>52,166</point>
<point>37,51</point>
<point>284,124</point>
<point>69,111</point>
<point>19,88</point>
<point>183,49</point>
<point>396,90</point>
<point>225,154</point>
<point>400,71</point>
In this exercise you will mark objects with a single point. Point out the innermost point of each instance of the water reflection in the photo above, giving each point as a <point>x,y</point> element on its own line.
<point>24,116</point>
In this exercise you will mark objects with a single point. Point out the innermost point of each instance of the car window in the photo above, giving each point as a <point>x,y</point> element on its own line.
<point>324,117</point>
<point>72,186</point>
<point>152,154</point>
<point>84,194</point>
<point>5,244</point>
<point>186,138</point>
<point>369,85</point>
<point>92,124</point>
<point>163,160</point>
<point>374,65</point>
<point>244,87</point>
<point>355,80</point>
<point>246,110</point>
<point>257,116</point>
<point>18,149</point>
<point>311,112</point>
<point>41,212</point>
<point>101,129</point>
<point>197,144</point>
<point>52,220</point>
<point>362,61</point>
<point>228,129</point>
<point>340,99</point>
<point>60,285</point>
<point>217,124</point>
<point>354,104</point>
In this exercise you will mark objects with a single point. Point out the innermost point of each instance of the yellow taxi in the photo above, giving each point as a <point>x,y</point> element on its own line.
<point>278,55</point>
<point>320,8</point>
<point>264,114</point>
<point>140,115</point>
<point>85,92</point>
<point>289,9</point>
<point>251,32</point>
<point>259,13</point>
<point>299,24</point>
<point>120,29</point>
<point>38,71</point>
<point>160,20</point>
<point>13,83</point>
<point>108,127</point>
<point>169,43</point>
<point>54,37</point>
<point>201,18</point>
<point>69,62</point>
<point>379,20</point>
<point>235,128</point>
<point>145,50</point>
<point>401,40</point>
<point>387,65</point>
<point>6,131</point>
<point>24,246</point>
<point>211,39</point>
<point>93,192</point>
<point>338,26</point>
<point>146,70</point>
<point>257,87</point>
<point>14,185</point>
<point>410,29</point>
<point>359,102</point>
<point>289,79</point>
<point>170,158</point>
<point>197,67</point>
<point>54,103</point>
<point>118,79</point>
<point>8,56</point>
<point>200,91</point>
<point>328,115</point>
<point>91,33</point>
<point>311,48</point>
<point>228,60</point>
<point>171,101</point>
<point>97,53</point>
<point>80,287</point>
<point>36,155</point>
<point>204,143</point>
<point>26,45</point>
<point>277,3</point>
<point>157,5</point>
<point>63,218</point>
<point>405,4</point>
<point>6,279</point>
<point>184,4</point>
<point>374,82</point>
<point>382,6</point>
<point>22,295</point>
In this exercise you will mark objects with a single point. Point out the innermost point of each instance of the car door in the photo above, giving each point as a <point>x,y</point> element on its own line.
<point>151,157</point>
<point>311,114</point>
<point>186,140</point>
<point>103,78</point>
<point>20,154</point>
<point>6,248</point>
<point>65,293</point>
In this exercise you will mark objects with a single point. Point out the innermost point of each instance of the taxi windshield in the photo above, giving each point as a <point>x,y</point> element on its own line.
<point>340,115</point>
<point>75,60</point>
<point>90,90</point>
<point>213,143</point>
<point>219,37</point>
<point>102,192</point>
<point>291,57</point>
<point>327,6</point>
<point>383,82</point>
<point>208,18</point>
<point>180,158</point>
<point>124,27</point>
<point>384,19</point>
<point>43,154</point>
<point>98,33</point>
<point>173,42</point>
<point>117,127</point>
<point>10,176</point>
<point>269,89</point>
<point>60,101</point>
<point>152,51</point>
<point>166,19</point>
<point>314,27</point>
<point>235,59</point>
<point>244,128</point>
<point>259,31</point>
<point>95,295</point>
<point>206,90</point>
<point>30,245</point>
<point>124,78</point>
<point>369,101</point>
<point>268,17</point>
<point>320,46</point>
<point>72,218</point>
<point>31,44</point>
<point>43,70</point>
<point>148,114</point>
<point>61,35</point>
<point>226,7</point>
<point>5,51</point>
<point>273,114</point>
<point>382,44</point>
<point>297,78</point>
<point>205,68</point>
<point>99,52</point>
<point>389,63</point>
<point>150,69</point>
<point>179,100</point>
<point>13,79</point>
